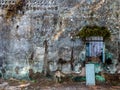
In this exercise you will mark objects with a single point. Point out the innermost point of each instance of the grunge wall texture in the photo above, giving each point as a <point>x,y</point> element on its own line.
<point>25,26</point>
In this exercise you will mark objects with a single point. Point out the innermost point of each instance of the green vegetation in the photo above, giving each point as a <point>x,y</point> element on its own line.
<point>88,31</point>
<point>79,79</point>
<point>99,78</point>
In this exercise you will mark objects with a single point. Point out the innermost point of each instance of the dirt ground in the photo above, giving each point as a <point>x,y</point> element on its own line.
<point>40,82</point>
<point>49,84</point>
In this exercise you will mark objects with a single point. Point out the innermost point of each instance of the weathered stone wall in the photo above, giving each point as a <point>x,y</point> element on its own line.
<point>21,40</point>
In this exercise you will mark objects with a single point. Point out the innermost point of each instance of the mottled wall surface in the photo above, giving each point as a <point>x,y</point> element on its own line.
<point>22,37</point>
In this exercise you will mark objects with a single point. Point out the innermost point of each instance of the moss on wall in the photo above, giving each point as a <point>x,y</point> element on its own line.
<point>88,31</point>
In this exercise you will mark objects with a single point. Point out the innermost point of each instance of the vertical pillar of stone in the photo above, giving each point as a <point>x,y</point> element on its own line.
<point>45,66</point>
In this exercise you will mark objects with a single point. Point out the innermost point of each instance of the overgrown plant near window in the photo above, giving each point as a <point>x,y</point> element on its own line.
<point>88,31</point>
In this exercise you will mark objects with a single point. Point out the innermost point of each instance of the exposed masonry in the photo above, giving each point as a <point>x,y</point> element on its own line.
<point>32,4</point>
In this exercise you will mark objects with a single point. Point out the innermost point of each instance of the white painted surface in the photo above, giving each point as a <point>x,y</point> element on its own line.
<point>90,74</point>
